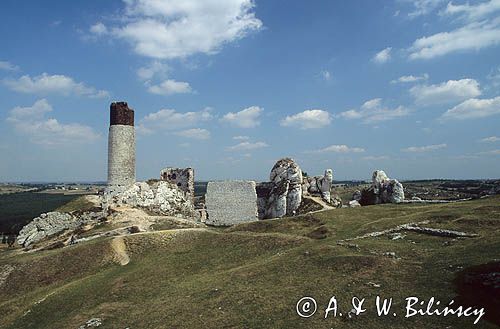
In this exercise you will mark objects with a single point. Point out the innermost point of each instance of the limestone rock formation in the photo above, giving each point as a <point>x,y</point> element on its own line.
<point>354,204</point>
<point>53,223</point>
<point>285,195</point>
<point>382,190</point>
<point>159,197</point>
<point>320,185</point>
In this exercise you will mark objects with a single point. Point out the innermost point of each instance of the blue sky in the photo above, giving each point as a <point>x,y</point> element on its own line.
<point>230,86</point>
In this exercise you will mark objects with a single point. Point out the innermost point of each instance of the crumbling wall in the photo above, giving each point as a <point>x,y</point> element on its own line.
<point>231,202</point>
<point>183,178</point>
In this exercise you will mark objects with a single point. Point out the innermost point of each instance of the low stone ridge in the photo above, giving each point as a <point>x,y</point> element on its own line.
<point>382,190</point>
<point>183,178</point>
<point>231,202</point>
<point>286,192</point>
<point>159,197</point>
<point>53,223</point>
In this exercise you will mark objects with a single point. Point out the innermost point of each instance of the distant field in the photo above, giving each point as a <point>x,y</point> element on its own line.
<point>19,208</point>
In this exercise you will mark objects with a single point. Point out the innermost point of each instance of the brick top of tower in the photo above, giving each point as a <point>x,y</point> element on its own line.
<point>121,114</point>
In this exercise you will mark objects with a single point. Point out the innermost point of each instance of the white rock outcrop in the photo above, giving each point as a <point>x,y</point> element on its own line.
<point>159,197</point>
<point>321,185</point>
<point>286,191</point>
<point>54,223</point>
<point>382,190</point>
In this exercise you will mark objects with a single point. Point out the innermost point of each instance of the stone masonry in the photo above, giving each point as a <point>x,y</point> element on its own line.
<point>121,145</point>
<point>183,178</point>
<point>231,202</point>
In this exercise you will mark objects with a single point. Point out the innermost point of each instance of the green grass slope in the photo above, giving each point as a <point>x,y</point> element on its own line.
<point>252,275</point>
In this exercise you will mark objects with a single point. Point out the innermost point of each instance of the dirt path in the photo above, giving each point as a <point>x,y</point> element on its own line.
<point>120,251</point>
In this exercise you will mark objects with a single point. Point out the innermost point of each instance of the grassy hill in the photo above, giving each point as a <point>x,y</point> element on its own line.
<point>252,275</point>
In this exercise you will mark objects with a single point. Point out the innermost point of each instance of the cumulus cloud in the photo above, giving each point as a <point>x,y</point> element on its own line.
<point>53,84</point>
<point>474,108</point>
<point>98,29</point>
<point>308,119</point>
<point>372,111</point>
<point>424,7</point>
<point>176,29</point>
<point>472,12</point>
<point>411,78</point>
<point>247,118</point>
<point>241,138</point>
<point>7,66</point>
<point>422,149</point>
<point>32,122</point>
<point>446,92</point>
<point>194,133</point>
<point>473,36</point>
<point>170,87</point>
<point>382,56</point>
<point>169,120</point>
<point>156,68</point>
<point>246,146</point>
<point>339,149</point>
<point>491,139</point>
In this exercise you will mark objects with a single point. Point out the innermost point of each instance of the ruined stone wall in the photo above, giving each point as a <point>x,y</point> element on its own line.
<point>183,178</point>
<point>231,202</point>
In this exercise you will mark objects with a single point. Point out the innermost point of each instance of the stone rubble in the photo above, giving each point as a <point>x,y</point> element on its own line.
<point>53,223</point>
<point>159,197</point>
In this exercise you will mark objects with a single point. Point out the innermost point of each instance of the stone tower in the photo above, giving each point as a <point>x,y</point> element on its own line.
<point>121,145</point>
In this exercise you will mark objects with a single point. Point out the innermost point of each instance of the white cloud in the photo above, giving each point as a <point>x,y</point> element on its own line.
<point>153,69</point>
<point>474,108</point>
<point>308,119</point>
<point>31,121</point>
<point>375,158</point>
<point>170,87</point>
<point>194,133</point>
<point>492,152</point>
<point>424,7</point>
<point>175,29</point>
<point>491,139</point>
<point>422,149</point>
<point>446,92</point>
<point>338,149</point>
<point>168,119</point>
<point>411,78</point>
<point>241,138</point>
<point>373,111</point>
<point>326,75</point>
<point>247,118</point>
<point>474,36</point>
<point>472,13</point>
<point>246,146</point>
<point>382,56</point>
<point>7,66</point>
<point>98,29</point>
<point>57,84</point>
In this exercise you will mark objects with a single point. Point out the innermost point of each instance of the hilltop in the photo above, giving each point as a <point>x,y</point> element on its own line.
<point>252,275</point>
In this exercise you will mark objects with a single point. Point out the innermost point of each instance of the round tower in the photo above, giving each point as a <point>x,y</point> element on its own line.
<point>121,145</point>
